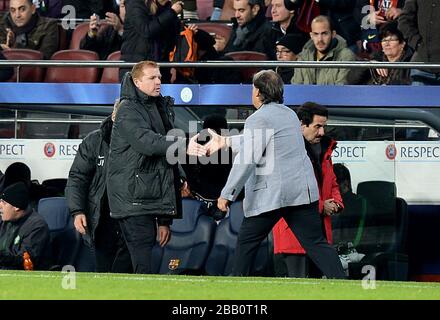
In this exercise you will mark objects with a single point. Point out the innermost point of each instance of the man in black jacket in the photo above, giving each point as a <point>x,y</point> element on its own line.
<point>143,186</point>
<point>22,230</point>
<point>87,199</point>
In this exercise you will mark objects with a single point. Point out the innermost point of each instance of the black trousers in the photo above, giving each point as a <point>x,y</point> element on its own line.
<point>140,236</point>
<point>111,252</point>
<point>305,223</point>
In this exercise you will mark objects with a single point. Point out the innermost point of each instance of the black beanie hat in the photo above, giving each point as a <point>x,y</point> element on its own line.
<point>17,195</point>
<point>293,42</point>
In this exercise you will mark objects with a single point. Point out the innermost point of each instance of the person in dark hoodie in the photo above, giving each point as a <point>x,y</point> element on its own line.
<point>144,178</point>
<point>86,195</point>
<point>22,230</point>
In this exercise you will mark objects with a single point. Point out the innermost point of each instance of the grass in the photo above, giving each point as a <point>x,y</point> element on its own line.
<point>91,286</point>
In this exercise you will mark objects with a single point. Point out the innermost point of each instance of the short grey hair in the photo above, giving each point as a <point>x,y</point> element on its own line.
<point>270,85</point>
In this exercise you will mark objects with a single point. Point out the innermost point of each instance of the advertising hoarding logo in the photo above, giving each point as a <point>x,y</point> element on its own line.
<point>391,151</point>
<point>49,149</point>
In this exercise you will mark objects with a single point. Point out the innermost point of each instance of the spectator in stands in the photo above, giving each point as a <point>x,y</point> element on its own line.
<point>85,8</point>
<point>5,72</point>
<point>150,32</point>
<point>110,38</point>
<point>284,19</point>
<point>378,13</point>
<point>394,49</point>
<point>20,172</point>
<point>86,195</point>
<point>341,14</point>
<point>143,187</point>
<point>22,230</point>
<point>22,27</point>
<point>419,23</point>
<point>319,148</point>
<point>325,45</point>
<point>276,172</point>
<point>287,49</point>
<point>251,31</point>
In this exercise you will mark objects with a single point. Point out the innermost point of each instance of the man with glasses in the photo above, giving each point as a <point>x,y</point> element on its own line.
<point>287,49</point>
<point>325,45</point>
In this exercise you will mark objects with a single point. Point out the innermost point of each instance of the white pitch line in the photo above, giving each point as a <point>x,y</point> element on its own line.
<point>281,281</point>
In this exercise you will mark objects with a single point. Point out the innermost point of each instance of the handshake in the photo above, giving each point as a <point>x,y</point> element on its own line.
<point>215,143</point>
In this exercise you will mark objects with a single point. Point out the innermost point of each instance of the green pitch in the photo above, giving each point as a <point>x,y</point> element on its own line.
<point>49,285</point>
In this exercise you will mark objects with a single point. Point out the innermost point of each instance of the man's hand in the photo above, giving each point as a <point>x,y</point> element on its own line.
<point>220,43</point>
<point>93,26</point>
<point>177,7</point>
<point>185,191</point>
<point>393,13</point>
<point>193,27</point>
<point>223,204</point>
<point>164,235</point>
<point>112,19</point>
<point>194,148</point>
<point>80,223</point>
<point>216,142</point>
<point>330,207</point>
<point>10,39</point>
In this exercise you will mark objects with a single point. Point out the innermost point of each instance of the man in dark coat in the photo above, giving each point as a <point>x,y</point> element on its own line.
<point>419,23</point>
<point>86,195</point>
<point>144,178</point>
<point>22,230</point>
<point>22,27</point>
<point>251,31</point>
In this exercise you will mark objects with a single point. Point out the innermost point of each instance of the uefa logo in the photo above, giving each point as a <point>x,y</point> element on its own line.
<point>391,151</point>
<point>49,149</point>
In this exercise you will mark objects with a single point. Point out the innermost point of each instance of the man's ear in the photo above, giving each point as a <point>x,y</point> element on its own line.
<point>33,8</point>
<point>136,82</point>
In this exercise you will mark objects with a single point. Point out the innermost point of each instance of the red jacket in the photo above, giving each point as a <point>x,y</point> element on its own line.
<point>284,239</point>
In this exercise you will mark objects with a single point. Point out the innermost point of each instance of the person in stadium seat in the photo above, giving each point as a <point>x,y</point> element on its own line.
<point>86,195</point>
<point>110,38</point>
<point>319,148</point>
<point>22,230</point>
<point>379,12</point>
<point>150,32</point>
<point>144,180</point>
<point>419,23</point>
<point>251,31</point>
<point>324,45</point>
<point>284,20</point>
<point>287,49</point>
<point>394,49</point>
<point>23,27</point>
<point>273,166</point>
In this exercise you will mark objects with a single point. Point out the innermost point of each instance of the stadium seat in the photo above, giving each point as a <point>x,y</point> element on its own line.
<point>111,75</point>
<point>73,74</point>
<point>247,73</point>
<point>65,241</point>
<point>220,259</point>
<point>385,232</point>
<point>57,185</point>
<point>219,28</point>
<point>190,242</point>
<point>80,32</point>
<point>4,5</point>
<point>204,8</point>
<point>27,74</point>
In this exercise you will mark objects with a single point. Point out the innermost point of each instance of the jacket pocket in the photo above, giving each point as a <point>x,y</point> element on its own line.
<point>147,186</point>
<point>260,185</point>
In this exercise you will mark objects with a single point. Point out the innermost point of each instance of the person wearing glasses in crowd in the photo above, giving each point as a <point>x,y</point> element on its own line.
<point>394,49</point>
<point>287,49</point>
